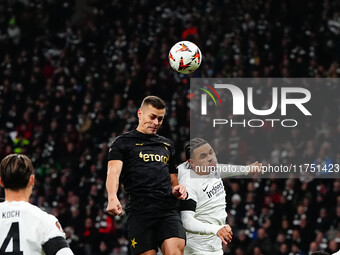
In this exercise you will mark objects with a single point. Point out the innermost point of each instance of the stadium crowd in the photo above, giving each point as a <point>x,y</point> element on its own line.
<point>69,84</point>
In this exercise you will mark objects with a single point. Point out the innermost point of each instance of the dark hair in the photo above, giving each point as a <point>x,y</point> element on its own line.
<point>15,171</point>
<point>320,253</point>
<point>193,144</point>
<point>155,101</point>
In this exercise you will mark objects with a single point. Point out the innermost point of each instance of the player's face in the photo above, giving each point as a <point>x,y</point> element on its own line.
<point>150,119</point>
<point>203,156</point>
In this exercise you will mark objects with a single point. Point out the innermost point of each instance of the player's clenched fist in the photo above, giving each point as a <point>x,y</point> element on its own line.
<point>179,191</point>
<point>114,207</point>
<point>225,234</point>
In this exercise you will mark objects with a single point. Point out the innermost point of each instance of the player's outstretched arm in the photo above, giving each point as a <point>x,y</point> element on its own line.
<point>114,168</point>
<point>227,171</point>
<point>193,225</point>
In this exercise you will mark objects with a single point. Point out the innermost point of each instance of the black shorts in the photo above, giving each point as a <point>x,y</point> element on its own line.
<point>148,233</point>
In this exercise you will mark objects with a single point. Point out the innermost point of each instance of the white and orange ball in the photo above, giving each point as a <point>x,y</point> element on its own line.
<point>185,57</point>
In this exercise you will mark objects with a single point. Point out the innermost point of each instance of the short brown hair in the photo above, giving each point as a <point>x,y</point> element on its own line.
<point>155,101</point>
<point>15,171</point>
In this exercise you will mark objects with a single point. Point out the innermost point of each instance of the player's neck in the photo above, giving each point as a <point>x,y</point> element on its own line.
<point>17,195</point>
<point>140,130</point>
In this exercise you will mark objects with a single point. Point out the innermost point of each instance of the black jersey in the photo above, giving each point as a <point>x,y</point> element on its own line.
<point>148,161</point>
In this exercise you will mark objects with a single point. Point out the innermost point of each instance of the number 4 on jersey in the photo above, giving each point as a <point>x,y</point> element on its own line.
<point>13,233</point>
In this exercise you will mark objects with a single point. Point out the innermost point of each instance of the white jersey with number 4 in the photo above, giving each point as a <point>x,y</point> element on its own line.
<point>26,230</point>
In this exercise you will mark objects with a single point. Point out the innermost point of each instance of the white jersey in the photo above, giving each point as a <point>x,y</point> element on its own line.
<point>209,194</point>
<point>25,229</point>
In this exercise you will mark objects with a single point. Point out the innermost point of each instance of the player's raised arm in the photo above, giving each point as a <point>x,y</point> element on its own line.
<point>114,168</point>
<point>228,171</point>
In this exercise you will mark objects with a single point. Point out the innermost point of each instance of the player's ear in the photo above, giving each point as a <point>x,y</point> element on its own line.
<point>31,180</point>
<point>190,161</point>
<point>139,113</point>
<point>1,183</point>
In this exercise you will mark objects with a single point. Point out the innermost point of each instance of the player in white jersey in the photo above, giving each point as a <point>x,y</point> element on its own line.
<point>24,228</point>
<point>204,213</point>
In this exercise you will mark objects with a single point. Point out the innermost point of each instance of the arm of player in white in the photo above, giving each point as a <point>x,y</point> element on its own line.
<point>337,253</point>
<point>53,237</point>
<point>227,170</point>
<point>193,225</point>
<point>65,251</point>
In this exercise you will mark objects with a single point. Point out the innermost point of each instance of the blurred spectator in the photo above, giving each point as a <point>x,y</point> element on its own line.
<point>262,243</point>
<point>14,32</point>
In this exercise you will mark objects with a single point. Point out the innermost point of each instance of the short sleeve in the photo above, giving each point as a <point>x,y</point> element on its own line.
<point>51,228</point>
<point>116,151</point>
<point>192,194</point>
<point>190,203</point>
<point>53,238</point>
<point>172,164</point>
<point>187,181</point>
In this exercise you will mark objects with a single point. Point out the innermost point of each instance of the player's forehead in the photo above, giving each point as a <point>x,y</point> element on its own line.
<point>152,111</point>
<point>204,149</point>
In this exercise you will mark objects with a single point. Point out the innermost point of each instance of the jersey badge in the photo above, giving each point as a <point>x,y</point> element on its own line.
<point>59,226</point>
<point>133,242</point>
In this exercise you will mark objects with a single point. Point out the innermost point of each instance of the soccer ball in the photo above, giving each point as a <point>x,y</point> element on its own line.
<point>185,57</point>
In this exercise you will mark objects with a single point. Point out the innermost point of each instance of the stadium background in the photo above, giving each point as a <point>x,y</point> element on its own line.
<point>74,72</point>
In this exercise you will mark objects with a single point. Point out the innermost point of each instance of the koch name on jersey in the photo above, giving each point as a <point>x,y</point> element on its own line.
<point>30,229</point>
<point>26,229</point>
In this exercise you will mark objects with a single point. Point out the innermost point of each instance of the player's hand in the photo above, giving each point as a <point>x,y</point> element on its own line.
<point>225,234</point>
<point>255,168</point>
<point>179,191</point>
<point>114,207</point>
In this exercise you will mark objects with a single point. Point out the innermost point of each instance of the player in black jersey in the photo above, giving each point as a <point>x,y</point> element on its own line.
<point>144,162</point>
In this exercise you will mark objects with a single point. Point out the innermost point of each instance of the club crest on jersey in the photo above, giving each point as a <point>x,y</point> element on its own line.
<point>153,157</point>
<point>166,146</point>
<point>59,226</point>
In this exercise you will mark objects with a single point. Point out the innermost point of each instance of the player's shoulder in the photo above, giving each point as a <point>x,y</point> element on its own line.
<point>164,140</point>
<point>183,171</point>
<point>123,138</point>
<point>30,211</point>
<point>187,177</point>
<point>44,216</point>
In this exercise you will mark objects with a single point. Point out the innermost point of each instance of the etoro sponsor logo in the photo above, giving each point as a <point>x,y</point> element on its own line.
<point>154,157</point>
